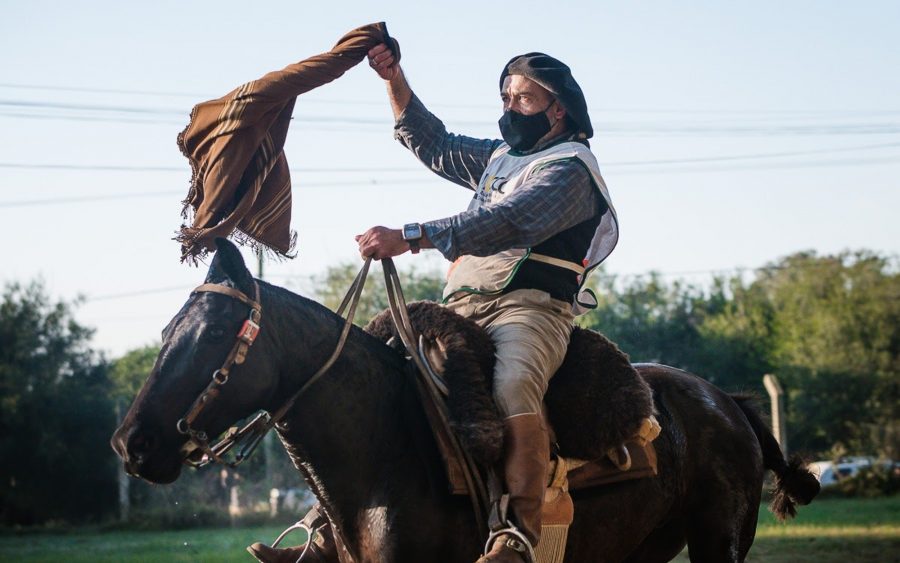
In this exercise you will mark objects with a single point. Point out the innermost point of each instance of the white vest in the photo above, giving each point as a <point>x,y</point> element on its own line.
<point>503,174</point>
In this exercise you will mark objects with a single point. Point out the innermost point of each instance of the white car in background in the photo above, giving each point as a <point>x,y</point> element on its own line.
<point>830,473</point>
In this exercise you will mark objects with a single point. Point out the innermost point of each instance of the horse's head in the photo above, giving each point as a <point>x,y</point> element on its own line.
<point>196,343</point>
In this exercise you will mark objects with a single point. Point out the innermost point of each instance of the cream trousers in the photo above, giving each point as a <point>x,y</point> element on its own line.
<point>531,333</point>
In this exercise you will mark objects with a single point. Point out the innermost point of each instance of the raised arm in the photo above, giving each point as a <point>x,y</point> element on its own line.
<point>382,61</point>
<point>457,158</point>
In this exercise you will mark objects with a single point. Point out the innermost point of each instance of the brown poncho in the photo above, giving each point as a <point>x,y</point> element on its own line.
<point>235,146</point>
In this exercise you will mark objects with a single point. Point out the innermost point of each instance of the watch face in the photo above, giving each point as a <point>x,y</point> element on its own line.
<point>412,231</point>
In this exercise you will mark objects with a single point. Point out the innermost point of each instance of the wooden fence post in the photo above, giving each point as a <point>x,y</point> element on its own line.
<point>779,422</point>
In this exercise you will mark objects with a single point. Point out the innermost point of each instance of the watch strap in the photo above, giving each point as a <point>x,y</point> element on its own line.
<point>413,240</point>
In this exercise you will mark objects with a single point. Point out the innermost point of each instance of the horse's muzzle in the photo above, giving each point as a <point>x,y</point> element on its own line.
<point>141,454</point>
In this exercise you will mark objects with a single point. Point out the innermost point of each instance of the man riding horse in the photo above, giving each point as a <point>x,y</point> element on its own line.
<point>540,220</point>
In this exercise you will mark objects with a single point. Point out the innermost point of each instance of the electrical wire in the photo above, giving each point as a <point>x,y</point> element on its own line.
<point>110,197</point>
<point>308,99</point>
<point>871,128</point>
<point>705,159</point>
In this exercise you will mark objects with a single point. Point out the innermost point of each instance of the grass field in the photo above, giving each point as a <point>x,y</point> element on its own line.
<point>829,530</point>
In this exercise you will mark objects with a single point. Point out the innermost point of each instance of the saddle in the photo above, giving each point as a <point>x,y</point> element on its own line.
<point>600,411</point>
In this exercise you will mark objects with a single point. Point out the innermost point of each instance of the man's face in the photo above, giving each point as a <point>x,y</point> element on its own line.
<point>524,95</point>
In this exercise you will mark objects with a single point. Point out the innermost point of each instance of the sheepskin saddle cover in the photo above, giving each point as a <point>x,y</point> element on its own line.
<point>595,401</point>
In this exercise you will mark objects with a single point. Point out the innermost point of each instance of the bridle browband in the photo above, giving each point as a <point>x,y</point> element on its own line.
<point>251,434</point>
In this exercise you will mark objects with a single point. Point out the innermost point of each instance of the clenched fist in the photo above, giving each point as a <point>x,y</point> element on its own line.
<point>382,61</point>
<point>381,242</point>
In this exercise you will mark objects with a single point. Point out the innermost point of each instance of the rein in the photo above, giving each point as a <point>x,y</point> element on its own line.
<point>252,433</point>
<point>436,411</point>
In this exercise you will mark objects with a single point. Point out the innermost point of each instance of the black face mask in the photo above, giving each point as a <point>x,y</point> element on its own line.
<point>521,131</point>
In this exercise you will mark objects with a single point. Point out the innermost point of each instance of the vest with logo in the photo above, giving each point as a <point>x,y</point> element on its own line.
<point>561,264</point>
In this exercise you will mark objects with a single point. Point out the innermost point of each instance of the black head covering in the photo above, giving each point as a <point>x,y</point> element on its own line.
<point>556,78</point>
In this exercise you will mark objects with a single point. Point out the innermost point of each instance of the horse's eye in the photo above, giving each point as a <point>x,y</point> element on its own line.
<point>215,332</point>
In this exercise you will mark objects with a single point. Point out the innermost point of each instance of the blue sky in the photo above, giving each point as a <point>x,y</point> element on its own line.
<point>729,134</point>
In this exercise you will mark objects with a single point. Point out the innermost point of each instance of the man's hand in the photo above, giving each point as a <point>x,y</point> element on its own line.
<point>381,59</point>
<point>381,242</point>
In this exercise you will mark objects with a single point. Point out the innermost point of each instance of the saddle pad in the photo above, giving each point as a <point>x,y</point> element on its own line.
<point>582,474</point>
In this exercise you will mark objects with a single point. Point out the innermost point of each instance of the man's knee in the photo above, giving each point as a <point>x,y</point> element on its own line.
<point>521,394</point>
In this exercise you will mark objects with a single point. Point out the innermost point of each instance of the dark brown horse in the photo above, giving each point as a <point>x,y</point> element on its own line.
<point>361,441</point>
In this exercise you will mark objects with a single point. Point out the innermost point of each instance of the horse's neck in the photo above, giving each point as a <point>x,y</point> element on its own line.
<point>348,428</point>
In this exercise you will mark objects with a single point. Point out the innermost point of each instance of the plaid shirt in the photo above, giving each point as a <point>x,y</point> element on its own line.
<point>551,200</point>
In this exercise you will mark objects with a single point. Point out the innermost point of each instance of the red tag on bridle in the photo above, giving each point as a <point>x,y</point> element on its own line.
<point>249,331</point>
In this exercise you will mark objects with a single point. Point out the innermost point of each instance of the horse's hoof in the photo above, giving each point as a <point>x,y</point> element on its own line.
<point>266,554</point>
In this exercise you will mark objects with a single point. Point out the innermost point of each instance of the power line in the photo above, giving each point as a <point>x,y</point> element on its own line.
<point>625,129</point>
<point>97,90</point>
<point>206,96</point>
<point>140,168</point>
<point>764,167</point>
<point>92,107</point>
<point>139,293</point>
<point>84,199</point>
<point>306,170</point>
<point>94,118</point>
<point>109,197</point>
<point>875,128</point>
<point>736,270</point>
<point>179,123</point>
<point>311,277</point>
<point>371,182</point>
<point>307,99</point>
<point>155,111</point>
<point>752,156</point>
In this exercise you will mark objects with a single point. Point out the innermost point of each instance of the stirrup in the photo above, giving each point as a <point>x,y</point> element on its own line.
<point>312,518</point>
<point>518,542</point>
<point>296,526</point>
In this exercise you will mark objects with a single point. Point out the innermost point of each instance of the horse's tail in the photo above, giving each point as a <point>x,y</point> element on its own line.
<point>794,484</point>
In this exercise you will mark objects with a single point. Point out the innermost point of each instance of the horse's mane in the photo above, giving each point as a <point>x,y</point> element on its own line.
<point>284,298</point>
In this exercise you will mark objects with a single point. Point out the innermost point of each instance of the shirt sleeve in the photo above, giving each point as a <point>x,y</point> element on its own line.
<point>457,158</point>
<point>553,199</point>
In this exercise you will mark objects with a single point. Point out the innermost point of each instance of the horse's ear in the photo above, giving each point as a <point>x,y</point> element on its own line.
<point>228,264</point>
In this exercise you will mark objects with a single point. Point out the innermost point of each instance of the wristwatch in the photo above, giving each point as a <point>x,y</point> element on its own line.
<point>412,234</point>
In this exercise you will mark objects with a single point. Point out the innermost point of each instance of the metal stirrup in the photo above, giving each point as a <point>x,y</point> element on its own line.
<point>307,525</point>
<point>518,537</point>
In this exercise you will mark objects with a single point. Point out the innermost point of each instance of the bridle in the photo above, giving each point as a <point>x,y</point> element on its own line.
<point>248,436</point>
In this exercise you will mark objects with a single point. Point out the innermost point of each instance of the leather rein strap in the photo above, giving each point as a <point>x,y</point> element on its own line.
<point>435,407</point>
<point>252,433</point>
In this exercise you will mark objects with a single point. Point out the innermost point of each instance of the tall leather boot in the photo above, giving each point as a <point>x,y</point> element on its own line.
<point>526,456</point>
<point>322,549</point>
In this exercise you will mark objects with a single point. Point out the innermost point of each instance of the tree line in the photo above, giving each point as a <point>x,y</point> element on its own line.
<point>827,326</point>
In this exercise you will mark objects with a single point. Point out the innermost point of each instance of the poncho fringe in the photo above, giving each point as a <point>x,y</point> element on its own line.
<point>240,181</point>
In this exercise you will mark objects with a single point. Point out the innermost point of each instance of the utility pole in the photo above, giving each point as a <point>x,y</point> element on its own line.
<point>124,482</point>
<point>269,439</point>
<point>259,263</point>
<point>779,421</point>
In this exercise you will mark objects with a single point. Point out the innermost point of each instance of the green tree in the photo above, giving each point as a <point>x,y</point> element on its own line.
<point>828,326</point>
<point>56,415</point>
<point>836,345</point>
<point>736,335</point>
<point>651,320</point>
<point>129,373</point>
<point>333,286</point>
